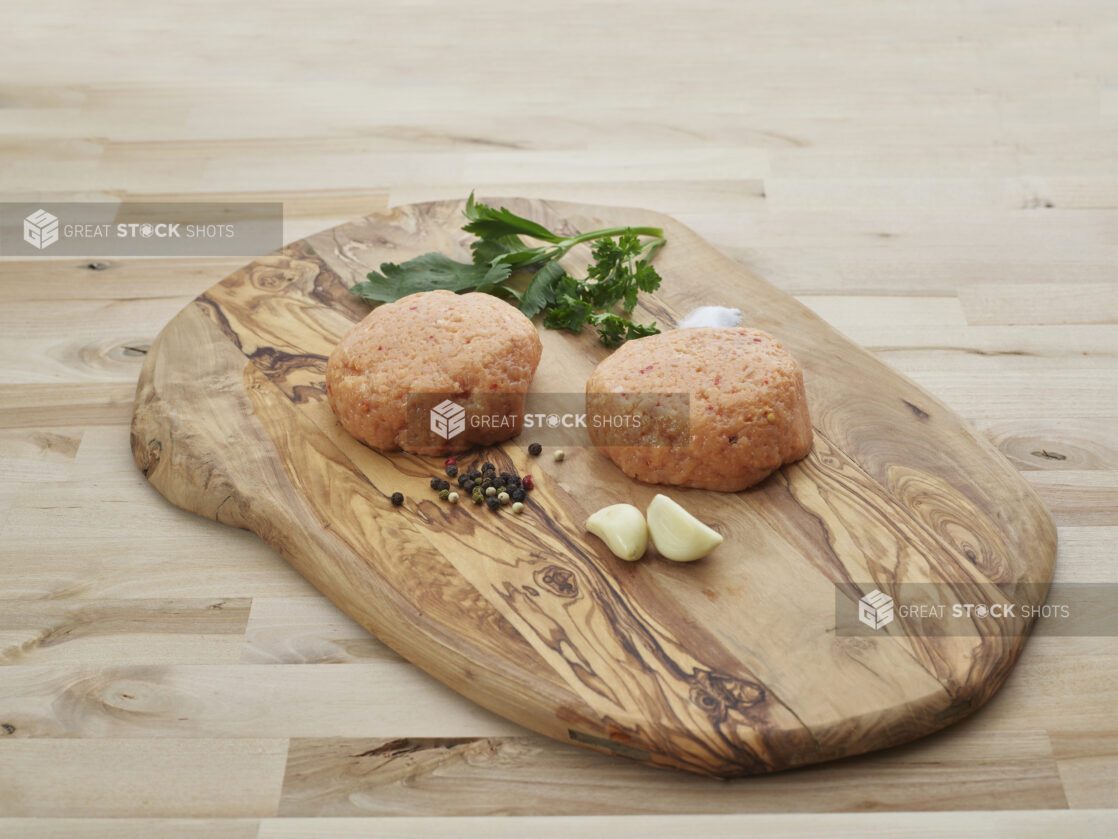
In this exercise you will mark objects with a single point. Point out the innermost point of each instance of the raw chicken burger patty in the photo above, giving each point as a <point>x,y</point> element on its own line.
<point>740,412</point>
<point>405,358</point>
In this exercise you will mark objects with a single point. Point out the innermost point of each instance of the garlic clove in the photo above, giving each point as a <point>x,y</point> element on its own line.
<point>677,534</point>
<point>622,528</point>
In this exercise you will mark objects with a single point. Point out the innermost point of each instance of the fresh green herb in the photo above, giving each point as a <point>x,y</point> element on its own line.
<point>620,271</point>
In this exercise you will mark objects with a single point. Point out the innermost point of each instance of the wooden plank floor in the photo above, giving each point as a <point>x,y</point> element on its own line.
<point>939,181</point>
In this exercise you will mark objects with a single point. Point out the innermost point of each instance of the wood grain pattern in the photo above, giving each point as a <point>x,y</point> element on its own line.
<point>679,667</point>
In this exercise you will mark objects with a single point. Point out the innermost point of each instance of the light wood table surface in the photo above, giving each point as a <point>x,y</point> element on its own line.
<point>937,180</point>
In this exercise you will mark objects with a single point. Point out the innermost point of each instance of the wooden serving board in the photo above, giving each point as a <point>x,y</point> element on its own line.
<point>727,666</point>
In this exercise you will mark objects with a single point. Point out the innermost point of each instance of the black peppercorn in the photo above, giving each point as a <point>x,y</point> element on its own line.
<point>506,475</point>
<point>444,485</point>
<point>535,449</point>
<point>451,470</point>
<point>474,475</point>
<point>397,499</point>
<point>518,494</point>
<point>488,465</point>
<point>467,484</point>
<point>435,482</point>
<point>493,504</point>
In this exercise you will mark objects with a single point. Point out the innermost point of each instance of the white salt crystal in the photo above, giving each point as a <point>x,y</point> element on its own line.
<point>711,316</point>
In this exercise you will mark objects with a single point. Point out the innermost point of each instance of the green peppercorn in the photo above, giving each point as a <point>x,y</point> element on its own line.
<point>478,497</point>
<point>397,499</point>
<point>535,449</point>
<point>444,494</point>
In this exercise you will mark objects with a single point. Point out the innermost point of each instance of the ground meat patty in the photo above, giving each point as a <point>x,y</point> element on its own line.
<point>405,358</point>
<point>745,415</point>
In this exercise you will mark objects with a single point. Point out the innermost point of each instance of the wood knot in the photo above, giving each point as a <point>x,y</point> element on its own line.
<point>559,581</point>
<point>917,411</point>
<point>718,693</point>
<point>146,456</point>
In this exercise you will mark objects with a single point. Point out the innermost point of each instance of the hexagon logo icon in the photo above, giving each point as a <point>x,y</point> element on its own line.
<point>875,610</point>
<point>448,419</point>
<point>40,229</point>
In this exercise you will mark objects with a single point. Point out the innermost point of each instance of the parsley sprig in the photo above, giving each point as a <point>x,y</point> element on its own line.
<point>620,271</point>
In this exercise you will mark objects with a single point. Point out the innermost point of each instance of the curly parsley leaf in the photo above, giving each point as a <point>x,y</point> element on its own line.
<point>614,330</point>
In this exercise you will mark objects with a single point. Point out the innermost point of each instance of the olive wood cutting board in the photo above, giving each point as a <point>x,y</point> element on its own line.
<point>727,666</point>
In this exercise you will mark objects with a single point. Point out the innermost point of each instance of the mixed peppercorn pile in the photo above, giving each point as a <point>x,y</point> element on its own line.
<point>484,484</point>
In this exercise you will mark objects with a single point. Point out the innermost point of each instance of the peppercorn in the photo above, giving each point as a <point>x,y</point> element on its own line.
<point>518,507</point>
<point>528,483</point>
<point>450,461</point>
<point>503,497</point>
<point>435,482</point>
<point>518,494</point>
<point>444,494</point>
<point>451,470</point>
<point>444,485</point>
<point>452,498</point>
<point>493,504</point>
<point>559,455</point>
<point>535,449</point>
<point>477,496</point>
<point>474,475</point>
<point>486,484</point>
<point>397,499</point>
<point>500,482</point>
<point>490,491</point>
<point>506,475</point>
<point>467,485</point>
<point>488,465</point>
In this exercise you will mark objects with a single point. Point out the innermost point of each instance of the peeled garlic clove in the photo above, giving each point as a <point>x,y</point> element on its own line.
<point>622,528</point>
<point>677,534</point>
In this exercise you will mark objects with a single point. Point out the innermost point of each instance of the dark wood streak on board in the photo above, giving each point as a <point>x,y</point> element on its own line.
<point>679,666</point>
